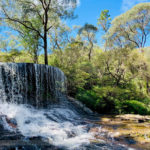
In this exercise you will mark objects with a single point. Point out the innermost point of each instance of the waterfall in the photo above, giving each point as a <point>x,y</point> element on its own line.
<point>33,104</point>
<point>38,85</point>
<point>26,87</point>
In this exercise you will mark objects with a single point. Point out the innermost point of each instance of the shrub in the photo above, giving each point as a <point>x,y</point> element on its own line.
<point>88,98</point>
<point>108,99</point>
<point>112,100</point>
<point>135,107</point>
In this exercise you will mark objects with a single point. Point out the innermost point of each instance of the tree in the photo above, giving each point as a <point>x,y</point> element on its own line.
<point>23,13</point>
<point>120,67</point>
<point>70,62</point>
<point>88,32</point>
<point>60,37</point>
<point>12,55</point>
<point>9,42</point>
<point>131,28</point>
<point>104,22</point>
<point>31,43</point>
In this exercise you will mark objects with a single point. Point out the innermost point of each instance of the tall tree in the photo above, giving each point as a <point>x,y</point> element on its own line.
<point>8,42</point>
<point>88,32</point>
<point>131,28</point>
<point>104,22</point>
<point>32,44</point>
<point>46,12</point>
<point>60,36</point>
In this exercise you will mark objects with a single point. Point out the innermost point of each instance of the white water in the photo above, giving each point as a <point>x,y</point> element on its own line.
<point>56,125</point>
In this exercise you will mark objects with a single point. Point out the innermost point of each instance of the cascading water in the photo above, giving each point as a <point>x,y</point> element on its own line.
<point>38,85</point>
<point>22,85</point>
<point>33,105</point>
<point>57,125</point>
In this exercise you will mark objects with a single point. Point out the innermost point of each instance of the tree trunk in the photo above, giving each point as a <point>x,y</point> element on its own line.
<point>36,49</point>
<point>90,55</point>
<point>147,86</point>
<point>35,59</point>
<point>45,37</point>
<point>45,49</point>
<point>90,51</point>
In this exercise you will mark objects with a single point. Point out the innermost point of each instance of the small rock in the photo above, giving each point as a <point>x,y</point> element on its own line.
<point>141,120</point>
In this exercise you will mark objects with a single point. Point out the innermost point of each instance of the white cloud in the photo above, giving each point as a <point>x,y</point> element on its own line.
<point>127,4</point>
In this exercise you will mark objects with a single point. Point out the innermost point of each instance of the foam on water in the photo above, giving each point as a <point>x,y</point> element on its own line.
<point>57,125</point>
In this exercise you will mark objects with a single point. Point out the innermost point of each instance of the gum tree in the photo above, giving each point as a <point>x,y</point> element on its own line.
<point>30,13</point>
<point>104,22</point>
<point>131,28</point>
<point>88,33</point>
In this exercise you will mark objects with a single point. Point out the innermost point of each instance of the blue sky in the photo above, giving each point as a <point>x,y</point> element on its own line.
<point>89,11</point>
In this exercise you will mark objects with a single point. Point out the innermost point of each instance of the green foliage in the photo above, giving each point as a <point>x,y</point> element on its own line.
<point>31,42</point>
<point>11,56</point>
<point>87,34</point>
<point>79,71</point>
<point>135,107</point>
<point>110,99</point>
<point>104,20</point>
<point>88,28</point>
<point>131,28</point>
<point>34,15</point>
<point>115,81</point>
<point>88,98</point>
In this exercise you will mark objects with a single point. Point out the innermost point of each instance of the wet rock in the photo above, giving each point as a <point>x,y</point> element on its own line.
<point>35,138</point>
<point>131,117</point>
<point>141,121</point>
<point>71,134</point>
<point>1,124</point>
<point>10,136</point>
<point>32,147</point>
<point>130,141</point>
<point>27,145</point>
<point>105,146</point>
<point>27,122</point>
<point>81,105</point>
<point>12,122</point>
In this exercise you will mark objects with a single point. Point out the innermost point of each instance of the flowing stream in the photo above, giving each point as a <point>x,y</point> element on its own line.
<point>59,126</point>
<point>33,107</point>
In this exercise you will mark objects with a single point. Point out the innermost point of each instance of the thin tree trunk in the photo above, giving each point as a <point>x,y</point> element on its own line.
<point>90,51</point>
<point>35,56</point>
<point>45,38</point>
<point>45,49</point>
<point>147,86</point>
<point>36,49</point>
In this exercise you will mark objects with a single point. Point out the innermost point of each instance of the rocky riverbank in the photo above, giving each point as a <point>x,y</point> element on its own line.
<point>12,139</point>
<point>130,130</point>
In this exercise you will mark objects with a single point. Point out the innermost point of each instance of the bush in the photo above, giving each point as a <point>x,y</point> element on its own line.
<point>107,99</point>
<point>113,100</point>
<point>135,107</point>
<point>88,98</point>
<point>103,103</point>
